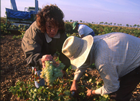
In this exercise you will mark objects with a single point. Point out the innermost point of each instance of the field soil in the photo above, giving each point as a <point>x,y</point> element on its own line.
<point>13,67</point>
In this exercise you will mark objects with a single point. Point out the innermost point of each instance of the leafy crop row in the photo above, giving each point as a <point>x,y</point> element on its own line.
<point>59,90</point>
<point>103,29</point>
<point>98,29</point>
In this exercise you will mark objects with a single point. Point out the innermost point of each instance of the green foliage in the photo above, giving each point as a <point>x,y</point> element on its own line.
<point>12,26</point>
<point>69,28</point>
<point>59,91</point>
<point>3,27</point>
<point>18,36</point>
<point>103,29</point>
<point>7,27</point>
<point>22,88</point>
<point>52,71</point>
<point>98,29</point>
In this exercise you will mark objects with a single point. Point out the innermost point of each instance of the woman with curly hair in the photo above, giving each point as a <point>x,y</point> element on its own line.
<point>44,38</point>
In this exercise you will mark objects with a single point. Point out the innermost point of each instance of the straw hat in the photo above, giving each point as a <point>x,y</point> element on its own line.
<point>77,49</point>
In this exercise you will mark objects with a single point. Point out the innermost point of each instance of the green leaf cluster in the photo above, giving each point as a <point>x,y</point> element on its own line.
<point>59,90</point>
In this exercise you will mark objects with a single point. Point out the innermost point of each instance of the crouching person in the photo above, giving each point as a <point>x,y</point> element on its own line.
<point>116,57</point>
<point>44,38</point>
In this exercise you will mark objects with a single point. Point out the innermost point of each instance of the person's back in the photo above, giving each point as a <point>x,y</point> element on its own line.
<point>84,30</point>
<point>116,57</point>
<point>119,50</point>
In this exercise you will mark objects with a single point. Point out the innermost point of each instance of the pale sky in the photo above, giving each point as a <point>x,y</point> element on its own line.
<point>115,11</point>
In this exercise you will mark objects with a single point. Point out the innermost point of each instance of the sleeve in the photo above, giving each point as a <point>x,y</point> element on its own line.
<point>81,31</point>
<point>110,78</point>
<point>80,71</point>
<point>62,57</point>
<point>32,45</point>
<point>64,60</point>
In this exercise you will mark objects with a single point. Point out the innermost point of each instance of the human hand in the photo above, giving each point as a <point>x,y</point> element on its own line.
<point>74,89</point>
<point>90,92</point>
<point>74,86</point>
<point>46,58</point>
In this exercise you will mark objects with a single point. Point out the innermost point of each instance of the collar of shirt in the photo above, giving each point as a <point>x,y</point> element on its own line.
<point>49,39</point>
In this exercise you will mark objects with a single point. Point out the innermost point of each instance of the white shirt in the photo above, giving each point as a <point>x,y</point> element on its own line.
<point>49,39</point>
<point>115,55</point>
<point>84,30</point>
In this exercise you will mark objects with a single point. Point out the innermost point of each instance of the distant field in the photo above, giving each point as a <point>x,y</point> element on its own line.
<point>99,29</point>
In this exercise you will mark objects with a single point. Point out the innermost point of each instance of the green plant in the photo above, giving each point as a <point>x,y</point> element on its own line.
<point>59,91</point>
<point>103,29</point>
<point>18,36</point>
<point>22,88</point>
<point>3,28</point>
<point>52,71</point>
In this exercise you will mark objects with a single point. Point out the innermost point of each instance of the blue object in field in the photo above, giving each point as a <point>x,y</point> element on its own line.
<point>13,4</point>
<point>19,14</point>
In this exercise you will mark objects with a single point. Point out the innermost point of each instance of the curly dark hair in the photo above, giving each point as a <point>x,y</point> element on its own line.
<point>52,14</point>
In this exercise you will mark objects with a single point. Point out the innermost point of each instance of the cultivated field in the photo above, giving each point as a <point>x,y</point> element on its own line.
<point>14,69</point>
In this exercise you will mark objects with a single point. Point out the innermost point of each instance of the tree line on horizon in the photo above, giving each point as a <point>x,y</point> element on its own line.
<point>107,23</point>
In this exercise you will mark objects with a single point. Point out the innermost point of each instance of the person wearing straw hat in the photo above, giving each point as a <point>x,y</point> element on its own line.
<point>116,56</point>
<point>83,30</point>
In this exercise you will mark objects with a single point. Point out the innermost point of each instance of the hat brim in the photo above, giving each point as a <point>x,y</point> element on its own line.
<point>81,58</point>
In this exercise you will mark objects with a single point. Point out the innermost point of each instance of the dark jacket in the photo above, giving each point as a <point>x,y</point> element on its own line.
<point>34,45</point>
